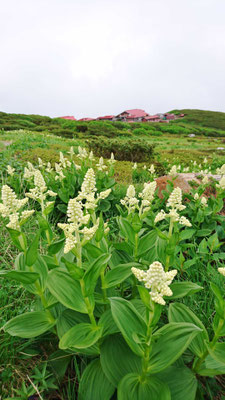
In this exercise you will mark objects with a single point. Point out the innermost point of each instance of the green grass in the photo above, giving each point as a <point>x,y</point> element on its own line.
<point>210,119</point>
<point>15,365</point>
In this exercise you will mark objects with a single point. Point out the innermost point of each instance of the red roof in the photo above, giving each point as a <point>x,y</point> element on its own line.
<point>69,117</point>
<point>136,113</point>
<point>86,119</point>
<point>106,117</point>
<point>152,117</point>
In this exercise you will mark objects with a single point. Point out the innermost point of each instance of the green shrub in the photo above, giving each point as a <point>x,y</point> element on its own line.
<point>135,150</point>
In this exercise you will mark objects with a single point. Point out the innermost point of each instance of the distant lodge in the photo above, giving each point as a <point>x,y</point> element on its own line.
<point>135,115</point>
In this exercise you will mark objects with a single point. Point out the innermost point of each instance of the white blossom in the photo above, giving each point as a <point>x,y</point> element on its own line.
<point>160,216</point>
<point>134,166</point>
<point>82,153</point>
<point>91,156</point>
<point>173,171</point>
<point>10,170</point>
<point>71,152</point>
<point>175,200</point>
<point>196,196</point>
<point>184,221</point>
<point>204,201</point>
<point>11,206</point>
<point>221,184</point>
<point>157,280</point>
<point>103,195</point>
<point>205,180</point>
<point>222,270</point>
<point>152,169</point>
<point>101,165</point>
<point>112,160</point>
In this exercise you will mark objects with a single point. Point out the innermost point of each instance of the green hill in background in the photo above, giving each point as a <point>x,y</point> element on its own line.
<point>211,119</point>
<point>198,122</point>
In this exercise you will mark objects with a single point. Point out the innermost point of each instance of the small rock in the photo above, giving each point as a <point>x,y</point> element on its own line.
<point>220,148</point>
<point>191,135</point>
<point>180,182</point>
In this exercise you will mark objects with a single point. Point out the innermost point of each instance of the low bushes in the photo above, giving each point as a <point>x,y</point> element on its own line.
<point>135,150</point>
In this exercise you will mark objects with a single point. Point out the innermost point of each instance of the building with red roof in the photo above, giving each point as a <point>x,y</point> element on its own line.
<point>69,117</point>
<point>134,115</point>
<point>106,118</point>
<point>151,118</point>
<point>86,119</point>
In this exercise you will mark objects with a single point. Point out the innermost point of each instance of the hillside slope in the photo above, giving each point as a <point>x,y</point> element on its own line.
<point>210,119</point>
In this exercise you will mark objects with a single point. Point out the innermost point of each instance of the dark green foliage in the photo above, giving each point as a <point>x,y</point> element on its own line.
<point>135,150</point>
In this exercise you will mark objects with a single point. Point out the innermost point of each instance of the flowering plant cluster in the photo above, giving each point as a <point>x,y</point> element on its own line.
<point>107,288</point>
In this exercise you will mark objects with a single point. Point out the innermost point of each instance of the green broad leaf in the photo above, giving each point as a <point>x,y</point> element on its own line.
<point>64,195</point>
<point>161,247</point>
<point>186,234</point>
<point>107,322</point>
<point>219,300</point>
<point>216,322</point>
<point>30,324</point>
<point>19,276</point>
<point>171,341</point>
<point>66,290</point>
<point>94,384</point>
<point>50,262</point>
<point>92,251</point>
<point>180,313</point>
<point>62,207</point>
<point>203,232</point>
<point>213,242</point>
<point>80,336</point>
<point>49,209</point>
<point>203,248</point>
<point>129,322</point>
<point>76,272</point>
<point>93,272</point>
<point>100,231</point>
<point>182,289</point>
<point>132,387</point>
<point>181,381</point>
<point>67,319</point>
<point>187,264</point>
<point>54,248</point>
<point>18,238</point>
<point>126,230</point>
<point>104,205</point>
<point>59,362</point>
<point>136,223</point>
<point>146,242</point>
<point>50,300</point>
<point>45,226</point>
<point>32,251</point>
<point>145,296</point>
<point>118,275</point>
<point>117,359</point>
<point>217,352</point>
<point>41,268</point>
<point>160,234</point>
<point>214,365</point>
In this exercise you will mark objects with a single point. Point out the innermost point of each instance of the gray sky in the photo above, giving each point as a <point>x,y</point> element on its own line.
<point>95,57</point>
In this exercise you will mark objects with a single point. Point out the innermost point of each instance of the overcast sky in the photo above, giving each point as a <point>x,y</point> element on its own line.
<point>98,57</point>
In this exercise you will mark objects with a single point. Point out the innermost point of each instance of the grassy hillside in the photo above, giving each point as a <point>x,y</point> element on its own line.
<point>211,119</point>
<point>201,123</point>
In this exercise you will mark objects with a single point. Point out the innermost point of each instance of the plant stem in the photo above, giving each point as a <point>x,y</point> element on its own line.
<point>198,363</point>
<point>169,236</point>
<point>145,358</point>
